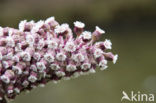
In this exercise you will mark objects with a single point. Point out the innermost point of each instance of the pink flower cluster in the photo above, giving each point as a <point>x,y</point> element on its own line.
<point>44,51</point>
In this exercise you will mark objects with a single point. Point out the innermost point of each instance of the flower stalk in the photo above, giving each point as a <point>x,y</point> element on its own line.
<point>43,51</point>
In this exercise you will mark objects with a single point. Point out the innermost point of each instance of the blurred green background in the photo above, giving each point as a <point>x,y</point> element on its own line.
<point>131,26</point>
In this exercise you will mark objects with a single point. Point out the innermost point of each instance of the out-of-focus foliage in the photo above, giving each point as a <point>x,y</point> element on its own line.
<point>92,11</point>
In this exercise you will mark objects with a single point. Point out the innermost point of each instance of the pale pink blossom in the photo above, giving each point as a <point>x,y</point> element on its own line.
<point>43,51</point>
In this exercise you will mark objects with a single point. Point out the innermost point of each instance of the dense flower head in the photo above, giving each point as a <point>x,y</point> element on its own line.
<point>44,51</point>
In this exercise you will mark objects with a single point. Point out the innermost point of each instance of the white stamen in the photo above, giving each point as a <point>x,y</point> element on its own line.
<point>76,74</point>
<point>61,57</point>
<point>60,29</point>
<point>92,71</point>
<point>85,66</point>
<point>34,68</point>
<point>98,53</point>
<point>5,79</point>
<point>71,68</point>
<point>52,44</point>
<point>17,90</point>
<point>22,25</point>
<point>86,35</point>
<point>70,46</point>
<point>1,31</point>
<point>100,30</point>
<point>104,67</point>
<point>115,58</point>
<point>50,19</point>
<point>10,41</point>
<point>79,24</point>
<point>40,66</point>
<point>25,83</point>
<point>37,26</point>
<point>108,44</point>
<point>10,91</point>
<point>79,57</point>
<point>26,56</point>
<point>103,63</point>
<point>32,78</point>
<point>60,73</point>
<point>37,56</point>
<point>5,64</point>
<point>1,57</point>
<point>49,57</point>
<point>15,68</point>
<point>30,39</point>
<point>54,67</point>
<point>41,44</point>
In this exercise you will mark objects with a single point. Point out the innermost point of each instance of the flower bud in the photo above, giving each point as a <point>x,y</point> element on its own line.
<point>97,33</point>
<point>78,29</point>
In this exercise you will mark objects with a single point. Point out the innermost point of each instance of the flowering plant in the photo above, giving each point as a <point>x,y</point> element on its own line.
<point>43,51</point>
